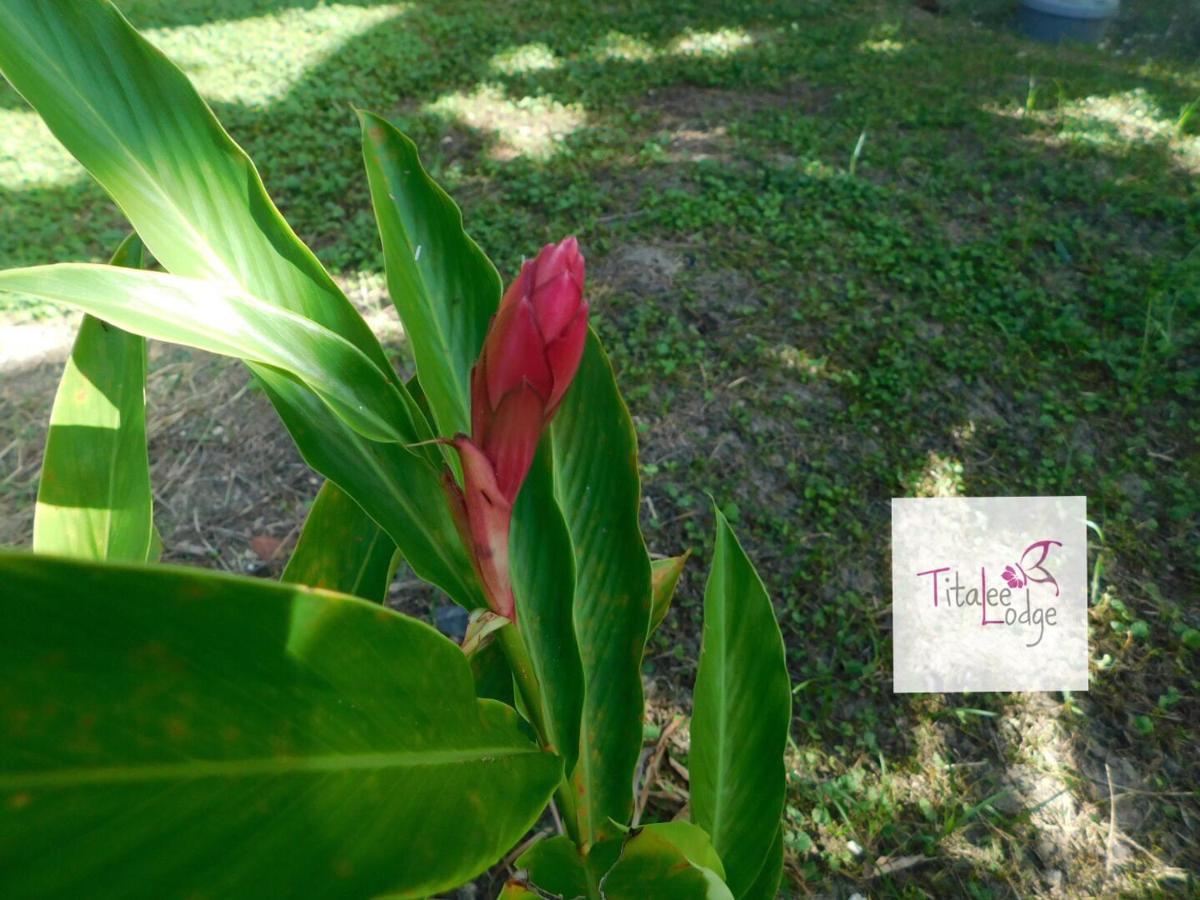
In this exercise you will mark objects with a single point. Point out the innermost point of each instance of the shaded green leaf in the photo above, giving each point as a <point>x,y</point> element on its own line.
<point>691,841</point>
<point>444,287</point>
<point>766,884</point>
<point>393,486</point>
<point>342,549</point>
<point>742,710</point>
<point>188,733</point>
<point>155,550</point>
<point>556,865</point>
<point>94,497</point>
<point>596,481</point>
<point>490,668</point>
<point>493,677</point>
<point>652,866</point>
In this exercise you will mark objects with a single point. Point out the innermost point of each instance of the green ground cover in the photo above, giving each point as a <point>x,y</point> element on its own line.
<point>997,292</point>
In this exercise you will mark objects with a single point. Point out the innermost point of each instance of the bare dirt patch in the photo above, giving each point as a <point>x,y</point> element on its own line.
<point>230,489</point>
<point>695,121</point>
<point>684,103</point>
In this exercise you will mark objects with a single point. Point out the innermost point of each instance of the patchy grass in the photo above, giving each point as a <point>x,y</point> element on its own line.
<point>1000,296</point>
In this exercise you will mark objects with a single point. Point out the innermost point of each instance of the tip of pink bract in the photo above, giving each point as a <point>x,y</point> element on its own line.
<point>555,259</point>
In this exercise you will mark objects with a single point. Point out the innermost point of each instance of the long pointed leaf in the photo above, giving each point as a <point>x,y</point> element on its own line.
<point>170,732</point>
<point>393,486</point>
<point>341,549</point>
<point>94,498</point>
<point>596,481</point>
<point>445,289</point>
<point>209,316</point>
<point>543,576</point>
<point>742,710</point>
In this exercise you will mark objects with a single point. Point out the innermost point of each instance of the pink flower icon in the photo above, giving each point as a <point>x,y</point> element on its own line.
<point>1014,580</point>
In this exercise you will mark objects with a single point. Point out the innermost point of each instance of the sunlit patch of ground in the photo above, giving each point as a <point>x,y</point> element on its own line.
<point>942,476</point>
<point>722,42</point>
<point>259,59</point>
<point>30,156</point>
<point>525,58</point>
<point>886,46</point>
<point>625,47</point>
<point>1114,122</point>
<point>530,127</point>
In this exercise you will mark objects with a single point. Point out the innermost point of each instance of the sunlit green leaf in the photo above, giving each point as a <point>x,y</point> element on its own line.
<point>94,499</point>
<point>445,289</point>
<point>742,709</point>
<point>222,320</point>
<point>691,841</point>
<point>136,123</point>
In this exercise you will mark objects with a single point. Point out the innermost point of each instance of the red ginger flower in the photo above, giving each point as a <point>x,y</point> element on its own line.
<point>529,357</point>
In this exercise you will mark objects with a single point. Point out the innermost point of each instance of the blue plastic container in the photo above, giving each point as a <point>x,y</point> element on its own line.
<point>1054,21</point>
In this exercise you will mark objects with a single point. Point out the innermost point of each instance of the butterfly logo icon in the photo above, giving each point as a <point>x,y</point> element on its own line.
<point>1030,570</point>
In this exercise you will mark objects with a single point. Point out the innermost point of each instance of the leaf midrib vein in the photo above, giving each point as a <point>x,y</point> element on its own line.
<point>274,765</point>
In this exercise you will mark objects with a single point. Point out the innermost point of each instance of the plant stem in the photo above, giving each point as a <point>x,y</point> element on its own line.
<point>531,694</point>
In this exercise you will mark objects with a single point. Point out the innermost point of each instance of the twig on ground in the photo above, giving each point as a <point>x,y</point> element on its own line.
<point>557,816</point>
<point>1112,822</point>
<point>680,770</point>
<point>1165,871</point>
<point>887,866</point>
<point>650,776</point>
<point>1123,789</point>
